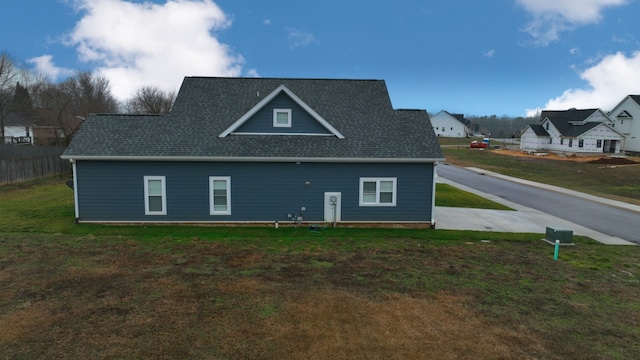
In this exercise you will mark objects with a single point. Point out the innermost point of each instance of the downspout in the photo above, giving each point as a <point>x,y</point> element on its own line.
<point>75,189</point>
<point>433,196</point>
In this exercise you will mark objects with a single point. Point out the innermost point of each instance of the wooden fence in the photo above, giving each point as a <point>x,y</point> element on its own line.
<point>23,162</point>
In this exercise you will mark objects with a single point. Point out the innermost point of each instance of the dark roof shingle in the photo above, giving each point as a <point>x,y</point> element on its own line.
<point>205,107</point>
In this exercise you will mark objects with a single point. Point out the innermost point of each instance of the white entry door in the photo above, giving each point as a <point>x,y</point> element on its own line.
<point>332,206</point>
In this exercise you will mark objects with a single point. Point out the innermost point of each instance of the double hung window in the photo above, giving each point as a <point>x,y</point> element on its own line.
<point>220,195</point>
<point>155,195</point>
<point>378,191</point>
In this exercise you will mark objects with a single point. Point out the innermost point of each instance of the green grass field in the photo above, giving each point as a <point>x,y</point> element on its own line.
<point>130,292</point>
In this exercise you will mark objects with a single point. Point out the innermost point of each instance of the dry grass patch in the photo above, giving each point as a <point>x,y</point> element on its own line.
<point>339,325</point>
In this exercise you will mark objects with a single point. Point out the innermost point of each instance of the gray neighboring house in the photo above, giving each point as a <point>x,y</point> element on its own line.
<point>260,150</point>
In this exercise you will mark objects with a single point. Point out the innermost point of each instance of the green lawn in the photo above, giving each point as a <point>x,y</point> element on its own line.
<point>130,292</point>
<point>447,195</point>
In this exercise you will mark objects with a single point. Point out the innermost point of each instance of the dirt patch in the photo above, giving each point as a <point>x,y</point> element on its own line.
<point>339,325</point>
<point>613,161</point>
<point>590,159</point>
<point>547,155</point>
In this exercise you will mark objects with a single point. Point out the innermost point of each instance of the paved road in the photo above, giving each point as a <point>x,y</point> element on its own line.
<point>607,219</point>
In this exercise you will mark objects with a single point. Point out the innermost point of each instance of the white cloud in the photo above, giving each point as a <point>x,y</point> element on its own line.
<point>489,54</point>
<point>44,65</point>
<point>138,44</point>
<point>266,22</point>
<point>574,51</point>
<point>299,38</point>
<point>252,73</point>
<point>550,17</point>
<point>613,78</point>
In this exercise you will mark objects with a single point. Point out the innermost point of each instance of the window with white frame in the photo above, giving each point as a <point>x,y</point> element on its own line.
<point>220,195</point>
<point>281,117</point>
<point>378,191</point>
<point>155,195</point>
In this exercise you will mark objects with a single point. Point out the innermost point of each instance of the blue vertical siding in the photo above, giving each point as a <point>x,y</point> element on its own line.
<point>114,191</point>
<point>301,121</point>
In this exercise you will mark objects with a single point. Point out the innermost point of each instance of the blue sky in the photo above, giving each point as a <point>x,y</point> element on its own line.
<point>502,57</point>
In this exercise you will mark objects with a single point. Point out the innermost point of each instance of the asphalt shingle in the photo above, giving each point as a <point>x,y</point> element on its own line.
<point>205,107</point>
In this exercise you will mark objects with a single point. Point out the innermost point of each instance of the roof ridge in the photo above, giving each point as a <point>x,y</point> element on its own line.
<point>280,78</point>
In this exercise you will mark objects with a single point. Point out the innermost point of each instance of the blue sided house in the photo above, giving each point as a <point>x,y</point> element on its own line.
<point>260,150</point>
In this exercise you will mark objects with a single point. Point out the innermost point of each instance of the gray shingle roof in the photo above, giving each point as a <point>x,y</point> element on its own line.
<point>563,119</point>
<point>205,107</point>
<point>539,130</point>
<point>460,117</point>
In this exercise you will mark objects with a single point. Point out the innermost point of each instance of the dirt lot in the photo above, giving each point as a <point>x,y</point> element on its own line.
<point>592,159</point>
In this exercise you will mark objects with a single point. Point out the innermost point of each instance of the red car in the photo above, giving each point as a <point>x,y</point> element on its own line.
<point>478,145</point>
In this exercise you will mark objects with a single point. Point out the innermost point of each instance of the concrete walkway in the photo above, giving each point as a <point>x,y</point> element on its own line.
<point>523,220</point>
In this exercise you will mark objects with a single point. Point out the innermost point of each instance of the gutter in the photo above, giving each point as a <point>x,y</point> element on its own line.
<point>251,159</point>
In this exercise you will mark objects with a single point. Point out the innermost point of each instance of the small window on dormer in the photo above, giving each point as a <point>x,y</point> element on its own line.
<point>281,117</point>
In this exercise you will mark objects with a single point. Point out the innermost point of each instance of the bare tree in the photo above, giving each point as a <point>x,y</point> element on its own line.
<point>151,100</point>
<point>65,105</point>
<point>92,94</point>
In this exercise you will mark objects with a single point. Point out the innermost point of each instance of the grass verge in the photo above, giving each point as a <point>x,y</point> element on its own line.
<point>450,196</point>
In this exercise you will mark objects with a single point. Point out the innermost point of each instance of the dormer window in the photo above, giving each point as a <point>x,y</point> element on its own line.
<point>281,117</point>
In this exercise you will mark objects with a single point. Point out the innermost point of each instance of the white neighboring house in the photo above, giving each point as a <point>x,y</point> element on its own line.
<point>18,129</point>
<point>573,131</point>
<point>450,125</point>
<point>626,119</point>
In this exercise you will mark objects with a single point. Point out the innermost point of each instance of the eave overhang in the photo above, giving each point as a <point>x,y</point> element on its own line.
<point>249,159</point>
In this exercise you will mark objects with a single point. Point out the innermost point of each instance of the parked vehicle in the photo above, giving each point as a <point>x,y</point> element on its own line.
<point>478,145</point>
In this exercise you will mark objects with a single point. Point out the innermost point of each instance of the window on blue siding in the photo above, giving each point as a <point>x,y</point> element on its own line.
<point>281,117</point>
<point>378,191</point>
<point>155,198</point>
<point>220,195</point>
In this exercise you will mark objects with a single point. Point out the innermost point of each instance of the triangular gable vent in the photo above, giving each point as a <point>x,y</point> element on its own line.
<point>624,115</point>
<point>268,99</point>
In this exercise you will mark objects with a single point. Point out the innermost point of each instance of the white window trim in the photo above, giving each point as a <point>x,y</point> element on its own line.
<point>211,207</point>
<point>377,181</point>
<point>146,195</point>
<point>275,117</point>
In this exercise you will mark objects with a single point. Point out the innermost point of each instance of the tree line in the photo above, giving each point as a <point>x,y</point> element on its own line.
<point>503,126</point>
<point>64,105</point>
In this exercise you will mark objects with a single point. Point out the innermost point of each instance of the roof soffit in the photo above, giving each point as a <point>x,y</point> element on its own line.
<point>264,102</point>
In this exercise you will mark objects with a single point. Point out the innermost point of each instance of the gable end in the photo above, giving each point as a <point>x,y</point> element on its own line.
<point>282,89</point>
